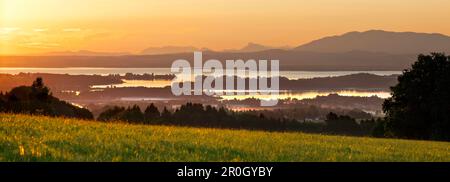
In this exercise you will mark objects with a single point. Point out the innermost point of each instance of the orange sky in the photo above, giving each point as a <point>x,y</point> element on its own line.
<point>37,26</point>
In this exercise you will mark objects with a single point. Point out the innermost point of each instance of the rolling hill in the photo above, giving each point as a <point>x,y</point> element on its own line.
<point>37,138</point>
<point>381,41</point>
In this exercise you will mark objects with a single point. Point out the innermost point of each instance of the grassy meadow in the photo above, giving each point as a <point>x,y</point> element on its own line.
<point>37,138</point>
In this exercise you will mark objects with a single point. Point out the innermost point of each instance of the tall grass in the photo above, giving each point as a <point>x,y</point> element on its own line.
<point>37,138</point>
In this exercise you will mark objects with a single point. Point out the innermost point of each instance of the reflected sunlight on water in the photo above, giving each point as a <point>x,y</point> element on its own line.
<point>308,95</point>
<point>138,83</point>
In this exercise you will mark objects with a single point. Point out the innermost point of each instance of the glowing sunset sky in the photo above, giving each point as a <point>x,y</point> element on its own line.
<point>36,26</point>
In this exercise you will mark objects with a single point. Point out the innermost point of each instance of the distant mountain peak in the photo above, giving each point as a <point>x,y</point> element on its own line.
<point>170,50</point>
<point>255,47</point>
<point>381,41</point>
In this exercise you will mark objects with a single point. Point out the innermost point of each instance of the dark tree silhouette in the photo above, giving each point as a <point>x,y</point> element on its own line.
<point>111,114</point>
<point>341,124</point>
<point>41,92</point>
<point>133,115</point>
<point>420,104</point>
<point>38,83</point>
<point>198,115</point>
<point>166,116</point>
<point>151,113</point>
<point>37,99</point>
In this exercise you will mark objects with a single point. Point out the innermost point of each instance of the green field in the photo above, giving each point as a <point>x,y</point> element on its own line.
<point>31,138</point>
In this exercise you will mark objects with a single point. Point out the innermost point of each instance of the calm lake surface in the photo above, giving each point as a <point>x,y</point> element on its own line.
<point>122,71</point>
<point>282,95</point>
<point>308,95</point>
<point>164,83</point>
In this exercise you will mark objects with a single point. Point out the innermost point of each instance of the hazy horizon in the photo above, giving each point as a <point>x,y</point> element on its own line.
<point>105,26</point>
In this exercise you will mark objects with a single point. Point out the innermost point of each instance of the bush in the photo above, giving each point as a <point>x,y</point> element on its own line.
<point>37,99</point>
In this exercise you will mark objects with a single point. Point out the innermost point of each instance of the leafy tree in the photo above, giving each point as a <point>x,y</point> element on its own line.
<point>420,104</point>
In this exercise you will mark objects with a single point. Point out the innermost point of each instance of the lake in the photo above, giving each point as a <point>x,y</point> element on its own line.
<point>300,95</point>
<point>161,71</point>
<point>164,83</point>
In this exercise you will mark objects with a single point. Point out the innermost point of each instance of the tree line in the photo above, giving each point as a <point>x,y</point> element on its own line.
<point>198,115</point>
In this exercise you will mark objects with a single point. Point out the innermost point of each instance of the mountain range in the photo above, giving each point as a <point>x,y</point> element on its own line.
<point>85,53</point>
<point>369,41</point>
<point>381,41</point>
<point>250,47</point>
<point>170,50</point>
<point>369,50</point>
<point>254,47</point>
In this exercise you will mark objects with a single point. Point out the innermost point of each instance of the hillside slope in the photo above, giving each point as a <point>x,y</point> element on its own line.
<point>33,138</point>
<point>381,41</point>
